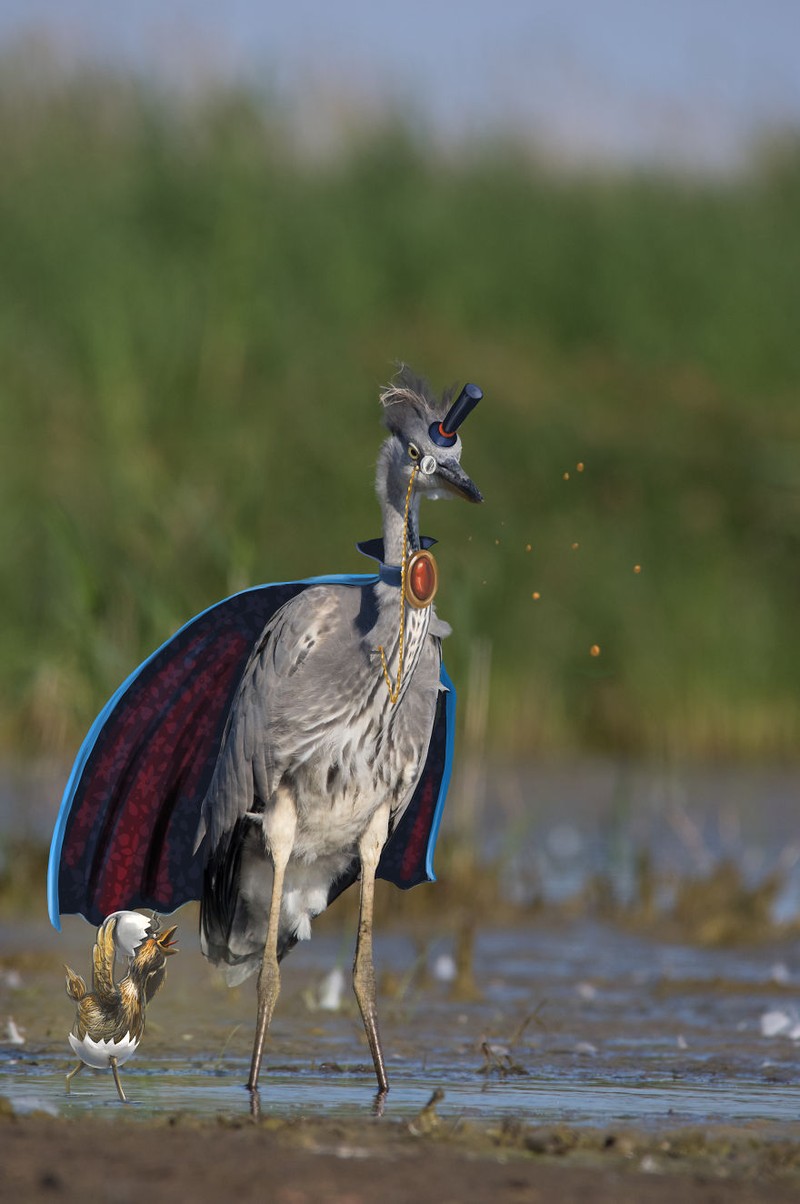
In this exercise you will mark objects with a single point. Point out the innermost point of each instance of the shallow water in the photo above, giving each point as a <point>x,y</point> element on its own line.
<point>581,1023</point>
<point>553,826</point>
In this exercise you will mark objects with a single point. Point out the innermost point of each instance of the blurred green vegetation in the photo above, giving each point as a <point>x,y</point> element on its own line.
<point>194,323</point>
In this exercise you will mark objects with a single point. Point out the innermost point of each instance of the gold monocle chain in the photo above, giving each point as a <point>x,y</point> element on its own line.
<point>394,690</point>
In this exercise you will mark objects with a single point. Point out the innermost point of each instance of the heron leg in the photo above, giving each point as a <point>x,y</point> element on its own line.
<point>114,1070</point>
<point>75,1070</point>
<point>279,830</point>
<point>370,847</point>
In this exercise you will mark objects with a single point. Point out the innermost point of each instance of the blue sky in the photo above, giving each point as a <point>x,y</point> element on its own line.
<point>692,81</point>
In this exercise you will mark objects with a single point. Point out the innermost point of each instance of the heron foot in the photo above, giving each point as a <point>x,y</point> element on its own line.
<point>280,839</point>
<point>370,847</point>
<point>366,995</point>
<point>269,988</point>
<point>255,1102</point>
<point>379,1102</point>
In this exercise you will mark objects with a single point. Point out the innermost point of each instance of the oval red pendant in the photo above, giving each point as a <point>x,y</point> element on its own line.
<point>422,580</point>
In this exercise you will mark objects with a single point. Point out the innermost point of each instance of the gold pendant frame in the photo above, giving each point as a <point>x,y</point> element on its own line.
<point>411,598</point>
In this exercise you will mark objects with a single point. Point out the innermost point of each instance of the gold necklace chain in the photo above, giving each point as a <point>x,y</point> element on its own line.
<point>394,690</point>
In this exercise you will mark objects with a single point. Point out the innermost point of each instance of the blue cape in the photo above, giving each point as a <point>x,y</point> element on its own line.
<point>125,832</point>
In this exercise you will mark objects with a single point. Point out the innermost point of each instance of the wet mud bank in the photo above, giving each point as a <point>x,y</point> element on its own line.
<point>608,1009</point>
<point>294,1162</point>
<point>587,1061</point>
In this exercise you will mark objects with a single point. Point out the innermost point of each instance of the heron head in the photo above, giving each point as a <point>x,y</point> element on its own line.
<point>425,436</point>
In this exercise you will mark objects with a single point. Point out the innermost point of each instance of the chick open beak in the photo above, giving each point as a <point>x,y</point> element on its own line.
<point>165,942</point>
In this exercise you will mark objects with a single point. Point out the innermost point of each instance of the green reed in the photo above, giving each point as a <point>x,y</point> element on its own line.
<point>194,322</point>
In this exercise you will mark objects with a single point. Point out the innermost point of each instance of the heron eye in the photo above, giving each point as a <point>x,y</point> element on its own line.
<point>413,451</point>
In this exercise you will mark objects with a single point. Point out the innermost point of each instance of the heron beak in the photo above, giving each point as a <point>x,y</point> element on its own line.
<point>457,481</point>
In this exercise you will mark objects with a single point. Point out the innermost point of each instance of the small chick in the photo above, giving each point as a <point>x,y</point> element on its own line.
<point>110,1019</point>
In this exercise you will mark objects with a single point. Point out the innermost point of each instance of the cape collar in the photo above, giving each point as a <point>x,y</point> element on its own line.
<point>389,573</point>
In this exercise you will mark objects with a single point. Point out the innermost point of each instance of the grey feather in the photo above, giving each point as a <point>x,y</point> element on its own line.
<point>313,717</point>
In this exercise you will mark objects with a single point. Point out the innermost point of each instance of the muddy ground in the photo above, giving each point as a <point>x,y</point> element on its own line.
<point>583,1062</point>
<point>614,1016</point>
<point>327,1162</point>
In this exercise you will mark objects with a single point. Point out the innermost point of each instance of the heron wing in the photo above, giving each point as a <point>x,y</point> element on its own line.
<point>288,703</point>
<point>280,708</point>
<point>292,717</point>
<point>125,833</point>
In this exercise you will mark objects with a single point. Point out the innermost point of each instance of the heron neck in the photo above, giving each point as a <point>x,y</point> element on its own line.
<point>394,526</point>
